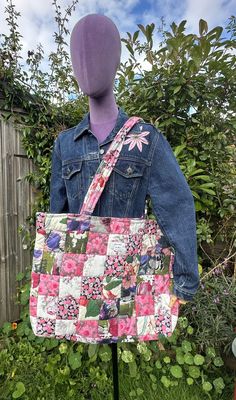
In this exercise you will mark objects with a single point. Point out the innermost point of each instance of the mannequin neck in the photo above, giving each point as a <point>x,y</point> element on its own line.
<point>103,115</point>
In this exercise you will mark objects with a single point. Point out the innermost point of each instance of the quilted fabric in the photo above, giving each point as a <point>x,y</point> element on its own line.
<point>101,279</point>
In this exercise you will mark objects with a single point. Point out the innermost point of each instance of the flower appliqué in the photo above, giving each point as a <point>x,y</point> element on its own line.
<point>136,139</point>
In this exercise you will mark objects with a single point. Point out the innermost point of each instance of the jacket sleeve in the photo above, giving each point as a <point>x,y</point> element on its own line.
<point>173,207</point>
<point>58,196</point>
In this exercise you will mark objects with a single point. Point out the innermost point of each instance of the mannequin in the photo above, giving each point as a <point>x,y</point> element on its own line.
<point>95,48</point>
<point>95,53</point>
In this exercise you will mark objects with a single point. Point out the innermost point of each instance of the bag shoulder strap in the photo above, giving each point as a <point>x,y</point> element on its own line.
<point>105,168</point>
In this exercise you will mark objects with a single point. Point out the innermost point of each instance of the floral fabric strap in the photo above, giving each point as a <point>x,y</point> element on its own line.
<point>105,168</point>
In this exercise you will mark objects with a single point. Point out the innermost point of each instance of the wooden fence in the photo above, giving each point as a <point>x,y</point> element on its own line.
<point>16,198</point>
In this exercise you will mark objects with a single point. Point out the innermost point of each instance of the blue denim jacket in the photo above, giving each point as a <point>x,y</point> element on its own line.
<point>147,170</point>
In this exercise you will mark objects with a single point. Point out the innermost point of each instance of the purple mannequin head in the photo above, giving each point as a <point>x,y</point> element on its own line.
<point>95,48</point>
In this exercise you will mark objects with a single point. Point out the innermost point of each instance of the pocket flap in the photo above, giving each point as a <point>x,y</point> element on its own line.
<point>129,168</point>
<point>70,169</point>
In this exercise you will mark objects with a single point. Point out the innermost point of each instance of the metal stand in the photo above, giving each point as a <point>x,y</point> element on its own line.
<point>115,371</point>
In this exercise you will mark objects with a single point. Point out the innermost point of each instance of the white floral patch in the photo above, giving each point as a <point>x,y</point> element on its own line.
<point>135,225</point>
<point>161,302</point>
<point>70,286</point>
<point>55,222</point>
<point>146,325</point>
<point>148,243</point>
<point>47,306</point>
<point>65,327</point>
<point>94,265</point>
<point>117,244</point>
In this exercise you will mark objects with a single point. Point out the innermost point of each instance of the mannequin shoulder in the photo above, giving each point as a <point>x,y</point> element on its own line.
<point>146,128</point>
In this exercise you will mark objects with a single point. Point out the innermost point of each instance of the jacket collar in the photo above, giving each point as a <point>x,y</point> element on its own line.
<point>84,126</point>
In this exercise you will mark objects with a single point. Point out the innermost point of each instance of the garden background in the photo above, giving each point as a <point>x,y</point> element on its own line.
<point>185,86</point>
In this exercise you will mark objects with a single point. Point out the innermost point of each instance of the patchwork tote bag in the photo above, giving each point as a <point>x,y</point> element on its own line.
<point>101,279</point>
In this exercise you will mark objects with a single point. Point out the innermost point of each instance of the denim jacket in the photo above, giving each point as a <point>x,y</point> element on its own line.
<point>145,167</point>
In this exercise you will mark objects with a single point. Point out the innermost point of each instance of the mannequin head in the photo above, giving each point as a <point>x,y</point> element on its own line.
<point>95,48</point>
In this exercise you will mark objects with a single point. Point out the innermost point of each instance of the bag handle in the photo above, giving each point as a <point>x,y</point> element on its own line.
<point>105,168</point>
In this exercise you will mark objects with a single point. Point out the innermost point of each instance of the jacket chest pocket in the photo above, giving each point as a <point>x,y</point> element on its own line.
<point>72,175</point>
<point>127,175</point>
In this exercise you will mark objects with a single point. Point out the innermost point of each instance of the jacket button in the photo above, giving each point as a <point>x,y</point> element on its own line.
<point>101,151</point>
<point>129,170</point>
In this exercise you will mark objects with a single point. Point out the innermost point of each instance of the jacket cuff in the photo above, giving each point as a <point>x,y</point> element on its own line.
<point>182,294</point>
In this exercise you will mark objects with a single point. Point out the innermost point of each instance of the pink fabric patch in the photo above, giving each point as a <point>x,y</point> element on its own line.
<point>127,326</point>
<point>144,305</point>
<point>49,284</point>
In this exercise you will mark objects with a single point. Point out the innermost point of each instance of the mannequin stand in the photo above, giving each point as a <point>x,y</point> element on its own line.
<point>115,371</point>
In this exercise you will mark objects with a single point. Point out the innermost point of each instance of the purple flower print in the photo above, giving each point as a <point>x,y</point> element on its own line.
<point>53,241</point>
<point>74,225</point>
<point>37,253</point>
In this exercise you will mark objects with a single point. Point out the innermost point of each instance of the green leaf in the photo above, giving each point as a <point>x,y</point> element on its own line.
<point>180,359</point>
<point>209,191</point>
<point>203,27</point>
<point>188,359</point>
<point>74,360</point>
<point>198,359</point>
<point>194,372</point>
<point>19,390</point>
<point>177,89</point>
<point>93,308</point>
<point>133,369</point>
<point>135,36</point>
<point>190,381</point>
<point>141,27</point>
<point>113,284</point>
<point>176,371</point>
<point>218,384</point>
<point>178,149</point>
<point>207,386</point>
<point>92,350</point>
<point>186,346</point>
<point>218,362</point>
<point>127,356</point>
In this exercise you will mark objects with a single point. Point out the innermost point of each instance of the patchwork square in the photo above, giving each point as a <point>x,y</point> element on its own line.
<point>131,265</point>
<point>97,243</point>
<point>76,242</point>
<point>127,326</point>
<point>47,306</point>
<point>49,285</point>
<point>89,308</point>
<point>148,244</point>
<point>68,308</point>
<point>136,226</point>
<point>54,223</point>
<point>111,287</point>
<point>145,287</point>
<point>146,325</point>
<point>94,265</point>
<point>73,264</point>
<point>128,288</point>
<point>117,244</point>
<point>114,265</point>
<point>104,329</point>
<point>70,286</point>
<point>77,224</point>
<point>65,327</point>
<point>54,241</point>
<point>33,306</point>
<point>127,308</point>
<point>45,327</point>
<point>100,224</point>
<point>134,244</point>
<point>87,329</point>
<point>109,309</point>
<point>144,305</point>
<point>120,226</point>
<point>91,287</point>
